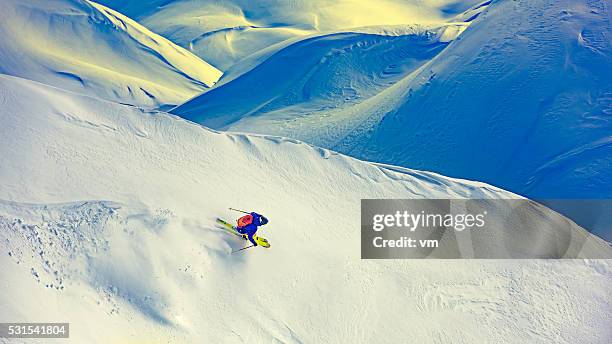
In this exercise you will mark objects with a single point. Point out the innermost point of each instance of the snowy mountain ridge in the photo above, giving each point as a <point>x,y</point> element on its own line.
<point>85,47</point>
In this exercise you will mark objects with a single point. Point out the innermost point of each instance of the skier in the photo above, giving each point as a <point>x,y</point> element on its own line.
<point>247,226</point>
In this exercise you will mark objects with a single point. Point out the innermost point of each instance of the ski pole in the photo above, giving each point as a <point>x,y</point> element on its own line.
<point>244,248</point>
<point>242,211</point>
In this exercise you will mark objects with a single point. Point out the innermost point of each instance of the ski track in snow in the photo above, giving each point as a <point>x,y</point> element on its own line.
<point>107,219</point>
<point>107,211</point>
<point>132,258</point>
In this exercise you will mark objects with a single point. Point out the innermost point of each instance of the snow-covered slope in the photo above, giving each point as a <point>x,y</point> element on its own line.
<point>323,73</point>
<point>521,100</point>
<point>223,32</point>
<point>85,47</point>
<point>107,222</point>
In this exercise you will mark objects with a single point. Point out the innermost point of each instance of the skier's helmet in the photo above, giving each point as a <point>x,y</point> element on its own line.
<point>263,220</point>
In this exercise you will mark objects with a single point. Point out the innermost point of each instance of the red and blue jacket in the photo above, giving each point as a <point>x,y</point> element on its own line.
<point>248,224</point>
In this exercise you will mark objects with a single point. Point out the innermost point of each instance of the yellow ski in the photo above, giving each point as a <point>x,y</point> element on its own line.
<point>261,241</point>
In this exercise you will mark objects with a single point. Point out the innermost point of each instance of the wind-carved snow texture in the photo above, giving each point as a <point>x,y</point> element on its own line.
<point>227,31</point>
<point>334,71</point>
